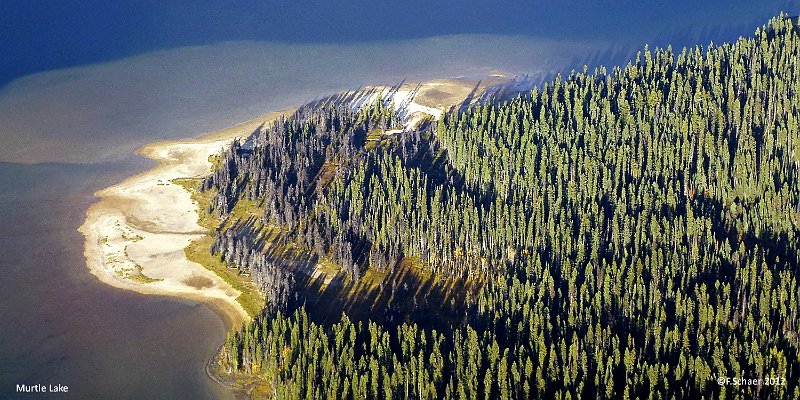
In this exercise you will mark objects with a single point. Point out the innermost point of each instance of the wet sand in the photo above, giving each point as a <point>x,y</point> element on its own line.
<point>136,234</point>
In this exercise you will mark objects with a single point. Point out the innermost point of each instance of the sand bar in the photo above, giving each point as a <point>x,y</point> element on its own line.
<point>136,233</point>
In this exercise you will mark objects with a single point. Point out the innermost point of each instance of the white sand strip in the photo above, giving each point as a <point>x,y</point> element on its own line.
<point>136,234</point>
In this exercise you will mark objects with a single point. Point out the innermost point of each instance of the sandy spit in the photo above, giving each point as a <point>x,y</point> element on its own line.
<point>136,233</point>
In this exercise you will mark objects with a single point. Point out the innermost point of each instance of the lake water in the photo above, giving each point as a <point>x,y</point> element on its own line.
<point>61,326</point>
<point>80,96</point>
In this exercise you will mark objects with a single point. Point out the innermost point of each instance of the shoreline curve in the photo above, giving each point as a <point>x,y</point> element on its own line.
<point>136,233</point>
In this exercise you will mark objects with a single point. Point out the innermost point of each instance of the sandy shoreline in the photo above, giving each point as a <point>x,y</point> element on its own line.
<point>136,233</point>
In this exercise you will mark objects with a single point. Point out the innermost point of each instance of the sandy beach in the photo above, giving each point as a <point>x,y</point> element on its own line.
<point>136,233</point>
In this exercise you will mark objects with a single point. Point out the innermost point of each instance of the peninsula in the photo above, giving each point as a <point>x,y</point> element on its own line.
<point>138,234</point>
<point>135,235</point>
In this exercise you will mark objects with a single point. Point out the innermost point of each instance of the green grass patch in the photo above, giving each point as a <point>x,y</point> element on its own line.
<point>138,276</point>
<point>327,267</point>
<point>199,250</point>
<point>375,139</point>
<point>135,274</point>
<point>250,298</point>
<point>245,209</point>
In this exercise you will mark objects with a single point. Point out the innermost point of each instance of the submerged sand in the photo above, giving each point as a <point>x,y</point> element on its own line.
<point>136,234</point>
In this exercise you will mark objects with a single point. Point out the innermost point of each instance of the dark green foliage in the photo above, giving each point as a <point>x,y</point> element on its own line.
<point>639,230</point>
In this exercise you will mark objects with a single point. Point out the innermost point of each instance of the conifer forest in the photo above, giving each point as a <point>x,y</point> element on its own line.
<point>627,232</point>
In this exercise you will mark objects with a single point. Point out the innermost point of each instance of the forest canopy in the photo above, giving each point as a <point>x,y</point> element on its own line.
<point>635,232</point>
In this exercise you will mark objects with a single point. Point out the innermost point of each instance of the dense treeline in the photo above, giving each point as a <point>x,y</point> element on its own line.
<point>284,167</point>
<point>639,229</point>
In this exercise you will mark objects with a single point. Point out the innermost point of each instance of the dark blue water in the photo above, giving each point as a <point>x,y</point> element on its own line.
<point>93,80</point>
<point>126,74</point>
<point>42,35</point>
